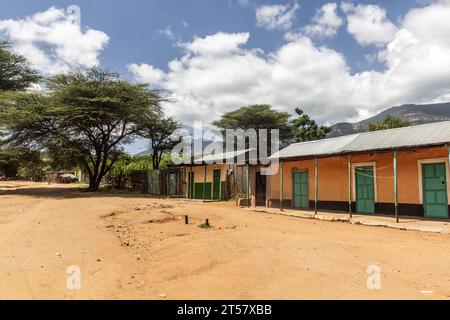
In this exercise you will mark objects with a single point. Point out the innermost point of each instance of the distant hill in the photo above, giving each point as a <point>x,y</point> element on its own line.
<point>148,152</point>
<point>416,114</point>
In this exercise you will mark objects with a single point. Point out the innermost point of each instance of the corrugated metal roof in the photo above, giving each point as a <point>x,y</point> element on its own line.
<point>408,137</point>
<point>211,158</point>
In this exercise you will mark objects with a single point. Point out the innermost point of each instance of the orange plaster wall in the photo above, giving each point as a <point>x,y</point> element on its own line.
<point>333,175</point>
<point>408,172</point>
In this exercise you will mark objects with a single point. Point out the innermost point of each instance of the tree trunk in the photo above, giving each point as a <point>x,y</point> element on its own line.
<point>92,182</point>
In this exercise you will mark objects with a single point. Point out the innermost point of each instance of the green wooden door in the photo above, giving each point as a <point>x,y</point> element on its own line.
<point>365,190</point>
<point>435,202</point>
<point>300,189</point>
<point>191,185</point>
<point>216,185</point>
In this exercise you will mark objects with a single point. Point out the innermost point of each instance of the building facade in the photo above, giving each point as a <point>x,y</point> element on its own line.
<point>401,171</point>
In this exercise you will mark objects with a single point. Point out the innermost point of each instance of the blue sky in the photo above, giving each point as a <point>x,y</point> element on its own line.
<point>133,27</point>
<point>338,60</point>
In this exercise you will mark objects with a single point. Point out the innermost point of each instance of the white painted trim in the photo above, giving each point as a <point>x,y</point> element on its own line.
<point>447,173</point>
<point>364,164</point>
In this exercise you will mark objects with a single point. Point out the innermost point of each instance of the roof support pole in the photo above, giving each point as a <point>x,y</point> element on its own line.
<point>350,185</point>
<point>281,185</point>
<point>316,185</point>
<point>248,186</point>
<point>204,183</point>
<point>396,186</point>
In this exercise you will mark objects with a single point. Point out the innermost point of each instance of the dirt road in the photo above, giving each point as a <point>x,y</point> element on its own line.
<point>135,247</point>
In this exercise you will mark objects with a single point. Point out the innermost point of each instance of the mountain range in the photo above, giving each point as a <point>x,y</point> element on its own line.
<point>414,113</point>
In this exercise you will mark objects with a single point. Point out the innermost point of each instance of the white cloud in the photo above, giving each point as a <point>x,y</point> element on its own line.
<point>428,25</point>
<point>219,44</point>
<point>369,24</point>
<point>277,16</point>
<point>53,42</point>
<point>326,22</point>
<point>217,74</point>
<point>145,73</point>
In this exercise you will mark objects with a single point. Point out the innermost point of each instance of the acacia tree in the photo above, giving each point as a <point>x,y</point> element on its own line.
<point>257,116</point>
<point>15,75</point>
<point>306,129</point>
<point>15,72</point>
<point>87,117</point>
<point>159,130</point>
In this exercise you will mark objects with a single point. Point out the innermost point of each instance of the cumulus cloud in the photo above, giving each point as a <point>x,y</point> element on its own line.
<point>145,73</point>
<point>325,23</point>
<point>53,41</point>
<point>277,16</point>
<point>218,73</point>
<point>368,24</point>
<point>218,44</point>
<point>427,23</point>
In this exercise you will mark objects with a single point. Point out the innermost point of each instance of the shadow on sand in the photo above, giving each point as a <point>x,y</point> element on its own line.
<point>67,193</point>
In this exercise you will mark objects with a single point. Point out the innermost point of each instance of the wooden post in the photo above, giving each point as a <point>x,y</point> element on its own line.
<point>186,219</point>
<point>316,185</point>
<point>248,186</point>
<point>350,185</point>
<point>204,183</point>
<point>396,186</point>
<point>281,185</point>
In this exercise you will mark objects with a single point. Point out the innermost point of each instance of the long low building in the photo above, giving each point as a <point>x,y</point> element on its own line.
<point>403,171</point>
<point>219,176</point>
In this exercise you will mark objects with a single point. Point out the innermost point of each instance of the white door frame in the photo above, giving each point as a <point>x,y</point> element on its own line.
<point>364,164</point>
<point>447,173</point>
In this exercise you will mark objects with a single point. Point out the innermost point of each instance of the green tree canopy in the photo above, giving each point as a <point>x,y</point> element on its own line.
<point>15,75</point>
<point>257,116</point>
<point>87,116</point>
<point>390,122</point>
<point>15,72</point>
<point>306,129</point>
<point>159,130</point>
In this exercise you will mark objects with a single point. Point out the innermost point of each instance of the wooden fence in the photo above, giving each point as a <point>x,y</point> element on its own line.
<point>165,182</point>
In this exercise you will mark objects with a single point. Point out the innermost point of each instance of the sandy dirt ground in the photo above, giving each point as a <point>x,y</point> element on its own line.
<point>129,246</point>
